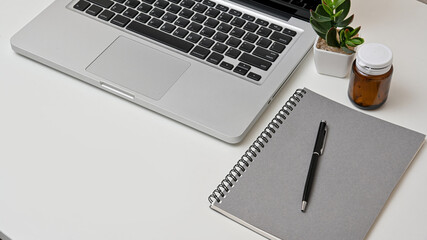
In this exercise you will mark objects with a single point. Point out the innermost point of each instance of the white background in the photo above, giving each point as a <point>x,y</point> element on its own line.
<point>79,163</point>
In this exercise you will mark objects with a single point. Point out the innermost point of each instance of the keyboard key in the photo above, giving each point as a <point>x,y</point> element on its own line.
<point>255,61</point>
<point>142,18</point>
<point>193,37</point>
<point>211,23</point>
<point>251,27</point>
<point>220,37</point>
<point>106,15</point>
<point>175,1</point>
<point>225,17</point>
<point>233,53</point>
<point>169,17</point>
<point>212,12</point>
<point>167,27</point>
<point>149,1</point>
<point>207,32</point>
<point>266,54</point>
<point>159,36</point>
<point>206,42</point>
<point>281,38</point>
<point>132,3</point>
<point>244,66</point>
<point>200,52</point>
<point>237,32</point>
<point>209,3</point>
<point>194,27</point>
<point>200,8</point>
<point>81,5</point>
<point>226,65</point>
<point>118,8</point>
<point>187,3</point>
<point>120,1</point>
<point>277,47</point>
<point>144,8</point>
<point>248,17</point>
<point>224,27</point>
<point>130,13</point>
<point>120,20</point>
<point>215,58</point>
<point>222,7</point>
<point>233,42</point>
<point>182,22</point>
<point>154,22</point>
<point>238,22</point>
<point>180,32</point>
<point>94,10</point>
<point>264,42</point>
<point>262,22</point>
<point>250,37</point>
<point>186,13</point>
<point>265,32</point>
<point>162,4</point>
<point>173,8</point>
<point>199,18</point>
<point>254,76</point>
<point>290,32</point>
<point>156,12</point>
<point>102,3</point>
<point>241,70</point>
<point>235,12</point>
<point>219,47</point>
<point>275,27</point>
<point>247,47</point>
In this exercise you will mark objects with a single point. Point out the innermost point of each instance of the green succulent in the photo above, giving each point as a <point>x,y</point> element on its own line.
<point>330,23</point>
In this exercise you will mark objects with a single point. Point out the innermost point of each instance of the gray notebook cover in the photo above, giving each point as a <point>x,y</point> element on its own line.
<point>363,160</point>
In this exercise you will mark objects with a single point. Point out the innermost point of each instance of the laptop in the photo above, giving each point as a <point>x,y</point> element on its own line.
<point>213,65</point>
<point>3,237</point>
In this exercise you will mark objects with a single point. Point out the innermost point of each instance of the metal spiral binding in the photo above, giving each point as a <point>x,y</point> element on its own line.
<point>257,146</point>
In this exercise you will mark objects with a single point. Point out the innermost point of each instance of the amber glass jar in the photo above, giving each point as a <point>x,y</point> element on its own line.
<point>370,76</point>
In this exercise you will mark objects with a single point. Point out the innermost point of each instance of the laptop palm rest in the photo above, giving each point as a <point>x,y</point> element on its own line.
<point>138,68</point>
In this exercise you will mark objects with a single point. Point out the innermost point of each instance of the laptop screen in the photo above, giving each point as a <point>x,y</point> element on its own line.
<point>285,8</point>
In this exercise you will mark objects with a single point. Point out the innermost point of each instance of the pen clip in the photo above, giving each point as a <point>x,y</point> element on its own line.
<point>324,140</point>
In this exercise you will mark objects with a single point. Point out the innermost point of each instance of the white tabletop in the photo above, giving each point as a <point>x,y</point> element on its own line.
<point>79,163</point>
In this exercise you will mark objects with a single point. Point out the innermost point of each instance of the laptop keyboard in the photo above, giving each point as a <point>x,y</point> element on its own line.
<point>214,33</point>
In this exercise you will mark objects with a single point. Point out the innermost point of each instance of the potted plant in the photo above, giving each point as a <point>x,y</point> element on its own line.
<point>336,41</point>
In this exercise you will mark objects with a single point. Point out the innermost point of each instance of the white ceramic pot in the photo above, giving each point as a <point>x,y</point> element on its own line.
<point>332,63</point>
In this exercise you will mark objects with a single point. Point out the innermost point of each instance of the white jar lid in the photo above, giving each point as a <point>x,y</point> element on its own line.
<point>374,59</point>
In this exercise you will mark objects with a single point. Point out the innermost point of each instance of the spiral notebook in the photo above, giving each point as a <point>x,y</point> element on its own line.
<point>363,160</point>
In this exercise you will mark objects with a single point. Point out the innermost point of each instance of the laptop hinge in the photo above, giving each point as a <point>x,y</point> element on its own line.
<point>280,10</point>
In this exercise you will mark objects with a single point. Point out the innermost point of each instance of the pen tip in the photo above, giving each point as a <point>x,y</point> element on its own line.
<point>303,206</point>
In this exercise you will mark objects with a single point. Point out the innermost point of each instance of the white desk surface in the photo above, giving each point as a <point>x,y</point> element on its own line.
<point>79,163</point>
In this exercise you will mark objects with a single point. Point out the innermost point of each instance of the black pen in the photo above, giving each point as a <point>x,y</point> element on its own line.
<point>318,150</point>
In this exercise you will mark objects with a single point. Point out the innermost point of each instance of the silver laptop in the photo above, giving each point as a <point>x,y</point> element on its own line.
<point>3,237</point>
<point>213,65</point>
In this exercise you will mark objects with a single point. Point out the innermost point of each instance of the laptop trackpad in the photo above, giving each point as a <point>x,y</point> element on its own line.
<point>138,68</point>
